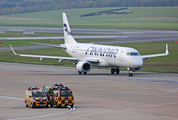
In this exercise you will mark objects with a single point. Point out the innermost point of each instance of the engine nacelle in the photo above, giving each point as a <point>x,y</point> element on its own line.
<point>84,66</point>
<point>137,69</point>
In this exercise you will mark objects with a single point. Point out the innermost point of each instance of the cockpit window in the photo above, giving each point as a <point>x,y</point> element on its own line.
<point>132,53</point>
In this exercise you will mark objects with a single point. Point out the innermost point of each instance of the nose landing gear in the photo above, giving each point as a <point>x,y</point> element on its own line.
<point>130,74</point>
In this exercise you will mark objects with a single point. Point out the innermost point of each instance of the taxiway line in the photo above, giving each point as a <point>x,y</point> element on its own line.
<point>11,98</point>
<point>41,116</point>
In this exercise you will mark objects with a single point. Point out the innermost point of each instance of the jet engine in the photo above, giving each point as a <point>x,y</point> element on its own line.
<point>137,69</point>
<point>84,66</point>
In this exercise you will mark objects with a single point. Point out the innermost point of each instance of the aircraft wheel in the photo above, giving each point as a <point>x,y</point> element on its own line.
<point>112,71</point>
<point>51,105</point>
<point>32,105</point>
<point>26,105</point>
<point>47,105</point>
<point>117,70</point>
<point>58,105</point>
<point>72,106</point>
<point>84,73</point>
<point>130,74</point>
<point>79,72</point>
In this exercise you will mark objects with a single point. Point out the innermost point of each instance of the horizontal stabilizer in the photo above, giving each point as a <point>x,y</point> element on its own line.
<point>58,46</point>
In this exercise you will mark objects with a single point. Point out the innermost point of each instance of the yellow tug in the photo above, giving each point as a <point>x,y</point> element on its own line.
<point>61,96</point>
<point>35,98</point>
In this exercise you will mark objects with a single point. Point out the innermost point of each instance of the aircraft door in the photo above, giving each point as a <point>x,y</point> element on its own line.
<point>121,56</point>
<point>118,59</point>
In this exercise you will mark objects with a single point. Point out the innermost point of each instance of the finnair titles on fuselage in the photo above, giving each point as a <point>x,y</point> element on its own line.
<point>96,51</point>
<point>87,55</point>
<point>102,51</point>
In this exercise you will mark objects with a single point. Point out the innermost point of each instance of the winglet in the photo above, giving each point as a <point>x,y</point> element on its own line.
<point>13,50</point>
<point>167,52</point>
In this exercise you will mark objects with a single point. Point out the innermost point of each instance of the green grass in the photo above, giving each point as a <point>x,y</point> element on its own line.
<point>155,18</point>
<point>166,64</point>
<point>74,14</point>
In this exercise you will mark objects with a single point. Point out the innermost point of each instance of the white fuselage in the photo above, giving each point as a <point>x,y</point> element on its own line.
<point>109,56</point>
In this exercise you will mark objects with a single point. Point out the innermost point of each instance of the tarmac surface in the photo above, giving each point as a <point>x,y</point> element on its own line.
<point>98,95</point>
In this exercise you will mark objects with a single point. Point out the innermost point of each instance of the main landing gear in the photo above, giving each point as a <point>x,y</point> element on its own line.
<point>116,69</point>
<point>79,72</point>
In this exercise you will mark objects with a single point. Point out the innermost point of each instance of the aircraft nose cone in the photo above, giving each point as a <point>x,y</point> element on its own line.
<point>138,62</point>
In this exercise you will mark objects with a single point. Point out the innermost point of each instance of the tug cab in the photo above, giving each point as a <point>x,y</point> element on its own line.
<point>53,88</point>
<point>34,97</point>
<point>62,97</point>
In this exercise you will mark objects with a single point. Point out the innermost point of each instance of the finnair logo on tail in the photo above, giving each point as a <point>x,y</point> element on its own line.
<point>66,29</point>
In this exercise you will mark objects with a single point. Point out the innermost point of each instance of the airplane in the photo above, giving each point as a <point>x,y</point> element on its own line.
<point>86,55</point>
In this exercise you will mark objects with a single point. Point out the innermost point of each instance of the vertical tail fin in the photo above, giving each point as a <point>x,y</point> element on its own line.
<point>68,38</point>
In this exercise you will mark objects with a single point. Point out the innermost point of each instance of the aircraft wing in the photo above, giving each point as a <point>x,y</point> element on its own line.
<point>156,55</point>
<point>58,46</point>
<point>54,57</point>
